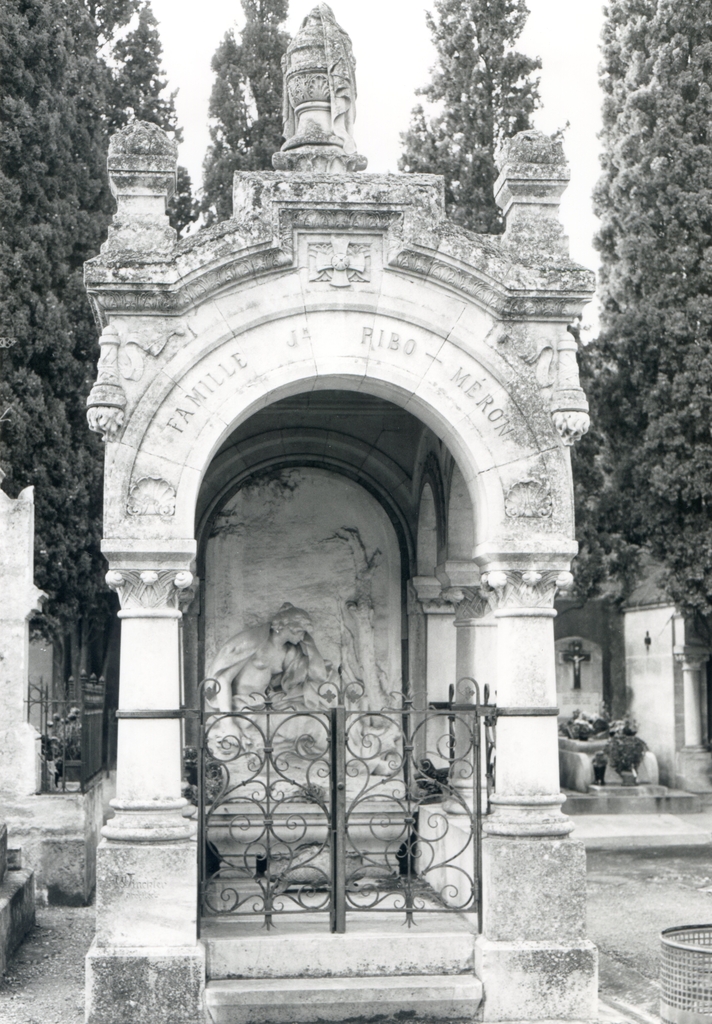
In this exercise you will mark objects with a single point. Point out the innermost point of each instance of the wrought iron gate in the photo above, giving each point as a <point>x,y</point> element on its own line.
<point>344,808</point>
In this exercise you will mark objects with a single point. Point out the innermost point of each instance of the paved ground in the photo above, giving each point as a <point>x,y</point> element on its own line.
<point>44,983</point>
<point>633,894</point>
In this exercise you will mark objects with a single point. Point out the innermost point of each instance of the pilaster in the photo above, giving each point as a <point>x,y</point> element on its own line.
<point>694,760</point>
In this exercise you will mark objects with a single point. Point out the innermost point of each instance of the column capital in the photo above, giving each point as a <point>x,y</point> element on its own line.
<point>691,656</point>
<point>470,603</point>
<point>512,591</point>
<point>149,590</point>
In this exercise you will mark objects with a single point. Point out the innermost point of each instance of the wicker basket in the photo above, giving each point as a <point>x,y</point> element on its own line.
<point>686,975</point>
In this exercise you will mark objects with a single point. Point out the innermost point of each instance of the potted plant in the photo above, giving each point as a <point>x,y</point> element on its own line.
<point>625,752</point>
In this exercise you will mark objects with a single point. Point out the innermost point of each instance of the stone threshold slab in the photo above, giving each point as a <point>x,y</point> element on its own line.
<point>308,1000</point>
<point>373,944</point>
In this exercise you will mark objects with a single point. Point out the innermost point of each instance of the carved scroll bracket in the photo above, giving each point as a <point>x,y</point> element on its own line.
<point>107,401</point>
<point>569,407</point>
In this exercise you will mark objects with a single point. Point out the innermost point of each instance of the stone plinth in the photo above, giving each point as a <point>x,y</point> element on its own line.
<point>146,894</point>
<point>694,769</point>
<point>17,904</point>
<point>126,985</point>
<point>58,834</point>
<point>533,956</point>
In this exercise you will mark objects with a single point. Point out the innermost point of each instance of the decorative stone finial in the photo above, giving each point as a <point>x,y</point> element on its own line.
<point>142,174</point>
<point>319,99</point>
<point>533,176</point>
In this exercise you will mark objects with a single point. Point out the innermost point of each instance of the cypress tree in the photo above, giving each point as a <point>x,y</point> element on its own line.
<point>650,371</point>
<point>246,102</point>
<point>486,93</point>
<point>57,106</point>
<point>138,79</point>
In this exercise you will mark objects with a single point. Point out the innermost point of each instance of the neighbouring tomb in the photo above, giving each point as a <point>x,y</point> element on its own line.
<point>58,832</point>
<point>579,676</point>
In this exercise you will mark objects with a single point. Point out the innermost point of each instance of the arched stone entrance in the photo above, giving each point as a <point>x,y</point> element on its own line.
<point>354,285</point>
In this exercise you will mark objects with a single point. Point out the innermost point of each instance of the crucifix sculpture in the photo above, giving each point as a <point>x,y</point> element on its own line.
<point>576,656</point>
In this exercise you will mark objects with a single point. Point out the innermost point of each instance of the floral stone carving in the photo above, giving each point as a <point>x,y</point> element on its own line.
<point>525,588</point>
<point>151,496</point>
<point>529,499</point>
<point>339,262</point>
<point>149,588</point>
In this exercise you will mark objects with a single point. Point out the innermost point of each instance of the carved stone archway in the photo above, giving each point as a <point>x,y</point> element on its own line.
<point>354,283</point>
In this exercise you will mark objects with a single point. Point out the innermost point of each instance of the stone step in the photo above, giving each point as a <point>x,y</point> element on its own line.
<point>307,1000</point>
<point>674,801</point>
<point>374,943</point>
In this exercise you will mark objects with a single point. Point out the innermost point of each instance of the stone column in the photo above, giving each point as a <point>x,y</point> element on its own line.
<point>532,957</point>
<point>441,657</point>
<point>694,761</point>
<point>145,962</point>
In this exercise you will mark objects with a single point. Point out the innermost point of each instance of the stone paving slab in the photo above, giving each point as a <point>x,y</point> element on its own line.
<point>626,831</point>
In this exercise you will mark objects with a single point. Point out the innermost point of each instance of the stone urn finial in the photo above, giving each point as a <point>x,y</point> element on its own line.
<point>142,174</point>
<point>319,99</point>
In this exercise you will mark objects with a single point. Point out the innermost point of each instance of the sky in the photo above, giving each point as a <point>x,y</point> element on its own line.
<point>393,57</point>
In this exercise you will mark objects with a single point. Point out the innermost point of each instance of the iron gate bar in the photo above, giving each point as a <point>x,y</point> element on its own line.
<point>338,819</point>
<point>171,713</point>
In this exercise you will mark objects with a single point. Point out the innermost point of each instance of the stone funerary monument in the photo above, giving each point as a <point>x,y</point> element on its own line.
<point>337,480</point>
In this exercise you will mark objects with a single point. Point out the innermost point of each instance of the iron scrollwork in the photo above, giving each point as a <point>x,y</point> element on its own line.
<point>343,809</point>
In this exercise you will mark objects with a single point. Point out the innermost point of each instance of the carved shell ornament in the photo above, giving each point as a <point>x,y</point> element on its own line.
<point>529,499</point>
<point>151,496</point>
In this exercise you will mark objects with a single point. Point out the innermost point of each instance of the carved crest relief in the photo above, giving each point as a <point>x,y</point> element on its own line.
<point>529,499</point>
<point>340,262</point>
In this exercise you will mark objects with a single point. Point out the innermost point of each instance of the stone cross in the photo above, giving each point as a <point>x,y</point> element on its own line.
<point>575,656</point>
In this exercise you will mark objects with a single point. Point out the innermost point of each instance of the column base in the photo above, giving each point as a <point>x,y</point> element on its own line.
<point>537,981</point>
<point>161,984</point>
<point>694,769</point>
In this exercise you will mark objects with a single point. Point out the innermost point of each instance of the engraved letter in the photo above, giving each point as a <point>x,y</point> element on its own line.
<point>409,347</point>
<point>484,402</point>
<point>172,423</point>
<point>365,337</point>
<point>393,343</point>
<point>191,396</point>
<point>225,371</point>
<point>495,415</point>
<point>239,360</point>
<point>460,377</point>
<point>184,413</point>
